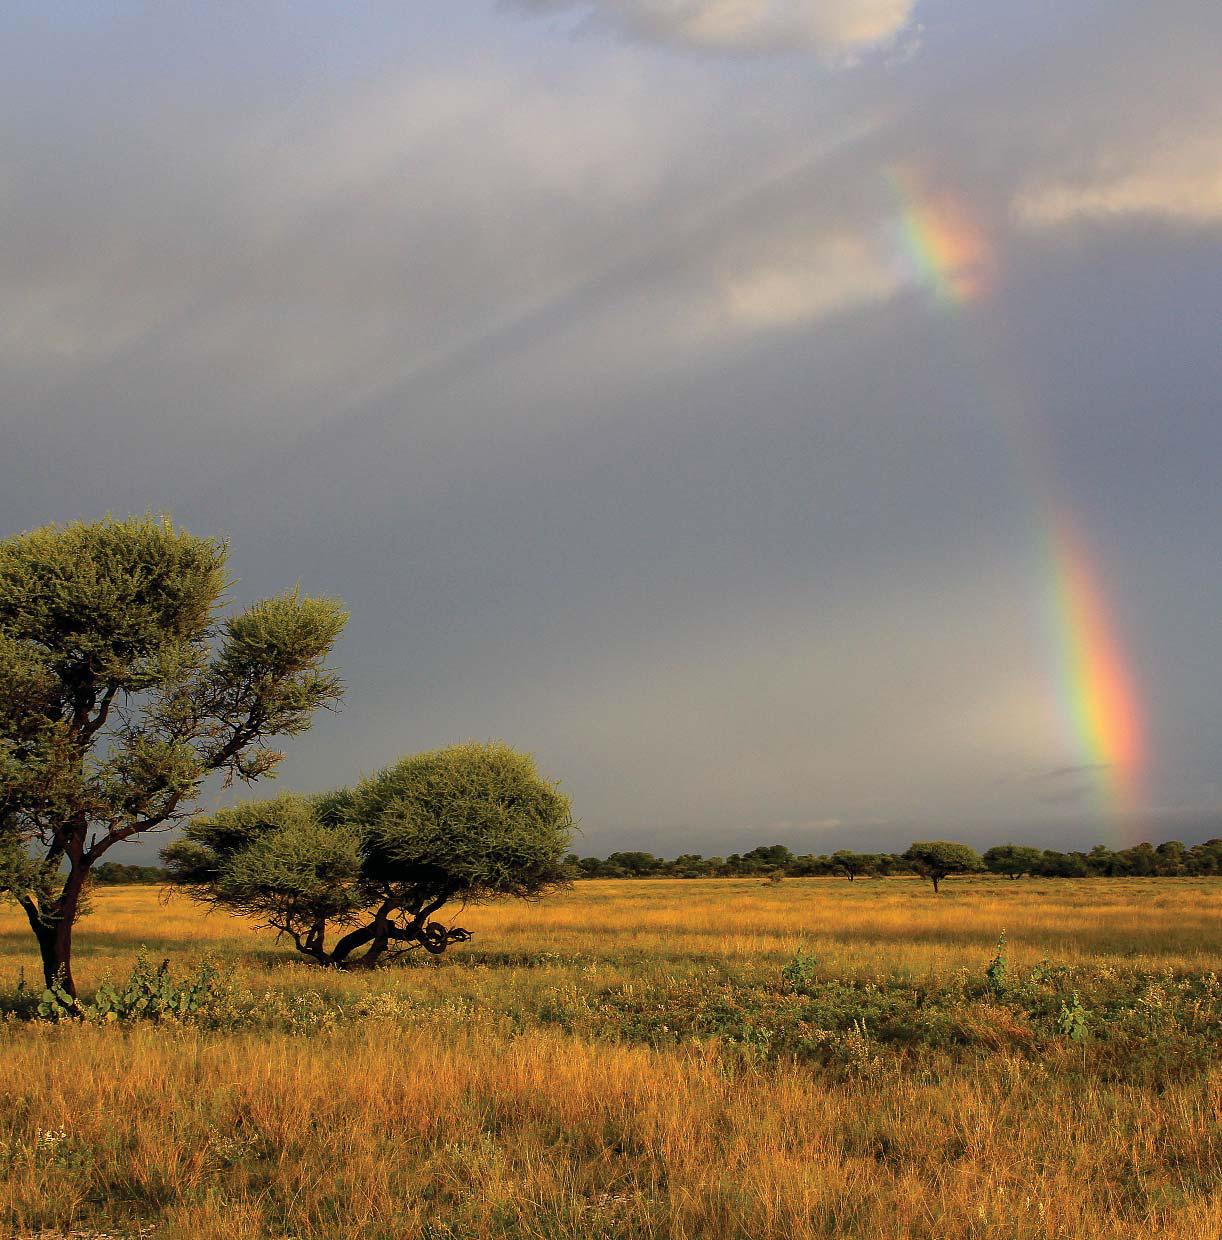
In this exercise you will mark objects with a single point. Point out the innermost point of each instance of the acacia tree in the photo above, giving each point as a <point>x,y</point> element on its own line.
<point>936,859</point>
<point>853,864</point>
<point>373,865</point>
<point>122,689</point>
<point>1013,860</point>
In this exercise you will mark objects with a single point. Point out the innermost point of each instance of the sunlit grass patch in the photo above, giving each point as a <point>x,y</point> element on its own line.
<point>635,1059</point>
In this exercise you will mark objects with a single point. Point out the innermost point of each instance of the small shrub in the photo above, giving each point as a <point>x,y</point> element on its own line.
<point>1073,1021</point>
<point>148,994</point>
<point>995,974</point>
<point>799,974</point>
<point>858,1051</point>
<point>1048,974</point>
<point>48,1147</point>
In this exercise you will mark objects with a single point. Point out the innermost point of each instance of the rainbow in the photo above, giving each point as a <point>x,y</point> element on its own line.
<point>1100,698</point>
<point>943,247</point>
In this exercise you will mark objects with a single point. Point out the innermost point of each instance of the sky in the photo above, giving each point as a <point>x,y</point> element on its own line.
<point>791,420</point>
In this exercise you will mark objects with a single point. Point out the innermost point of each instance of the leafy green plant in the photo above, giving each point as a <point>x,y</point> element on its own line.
<point>856,1048</point>
<point>995,973</point>
<point>56,1003</point>
<point>1048,974</point>
<point>1073,1020</point>
<point>148,994</point>
<point>799,974</point>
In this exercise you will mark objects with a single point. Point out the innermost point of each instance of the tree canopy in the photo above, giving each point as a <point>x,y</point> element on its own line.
<point>1013,860</point>
<point>853,864</point>
<point>468,823</point>
<point>122,688</point>
<point>936,859</point>
<point>1170,859</point>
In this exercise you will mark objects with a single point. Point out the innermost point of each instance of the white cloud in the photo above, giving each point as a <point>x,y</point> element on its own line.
<point>835,28</point>
<point>826,276</point>
<point>1180,182</point>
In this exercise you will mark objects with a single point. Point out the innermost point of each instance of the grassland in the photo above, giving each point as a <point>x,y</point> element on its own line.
<point>698,1060</point>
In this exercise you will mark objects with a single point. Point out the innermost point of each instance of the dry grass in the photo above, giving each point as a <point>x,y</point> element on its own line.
<point>894,926</point>
<point>454,1117</point>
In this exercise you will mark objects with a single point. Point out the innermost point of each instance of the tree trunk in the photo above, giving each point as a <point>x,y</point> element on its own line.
<point>936,880</point>
<point>381,934</point>
<point>56,957</point>
<point>349,943</point>
<point>54,932</point>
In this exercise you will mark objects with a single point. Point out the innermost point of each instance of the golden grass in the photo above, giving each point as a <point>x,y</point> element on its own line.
<point>446,1124</point>
<point>893,925</point>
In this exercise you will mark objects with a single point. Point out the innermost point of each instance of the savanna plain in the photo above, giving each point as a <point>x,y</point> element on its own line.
<point>696,1060</point>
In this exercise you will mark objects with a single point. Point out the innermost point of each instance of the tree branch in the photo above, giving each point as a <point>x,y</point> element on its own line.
<point>93,726</point>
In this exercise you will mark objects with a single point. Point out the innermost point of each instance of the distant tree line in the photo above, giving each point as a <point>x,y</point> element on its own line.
<point>1169,860</point>
<point>113,874</point>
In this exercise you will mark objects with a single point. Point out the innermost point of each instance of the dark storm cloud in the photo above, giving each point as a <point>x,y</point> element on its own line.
<point>592,375</point>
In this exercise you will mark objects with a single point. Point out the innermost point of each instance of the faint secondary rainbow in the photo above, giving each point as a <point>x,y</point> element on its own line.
<point>945,248</point>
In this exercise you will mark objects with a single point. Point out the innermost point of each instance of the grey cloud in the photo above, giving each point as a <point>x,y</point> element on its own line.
<point>1073,772</point>
<point>596,379</point>
<point>283,273</point>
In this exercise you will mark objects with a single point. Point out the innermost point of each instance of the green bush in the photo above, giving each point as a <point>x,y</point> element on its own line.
<point>148,994</point>
<point>356,876</point>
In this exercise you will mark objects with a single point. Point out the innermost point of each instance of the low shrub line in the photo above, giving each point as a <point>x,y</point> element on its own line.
<point>1143,1023</point>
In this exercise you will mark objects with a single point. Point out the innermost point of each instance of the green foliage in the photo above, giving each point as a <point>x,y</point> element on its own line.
<point>1171,859</point>
<point>114,874</point>
<point>113,603</point>
<point>56,1003</point>
<point>1012,860</point>
<point>468,823</point>
<point>473,820</point>
<point>995,973</point>
<point>854,865</point>
<point>1062,865</point>
<point>148,994</point>
<point>848,1023</point>
<point>47,1148</point>
<point>21,872</point>
<point>1138,1024</point>
<point>1073,1020</point>
<point>798,974</point>
<point>938,858</point>
<point>767,857</point>
<point>274,859</point>
<point>122,689</point>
